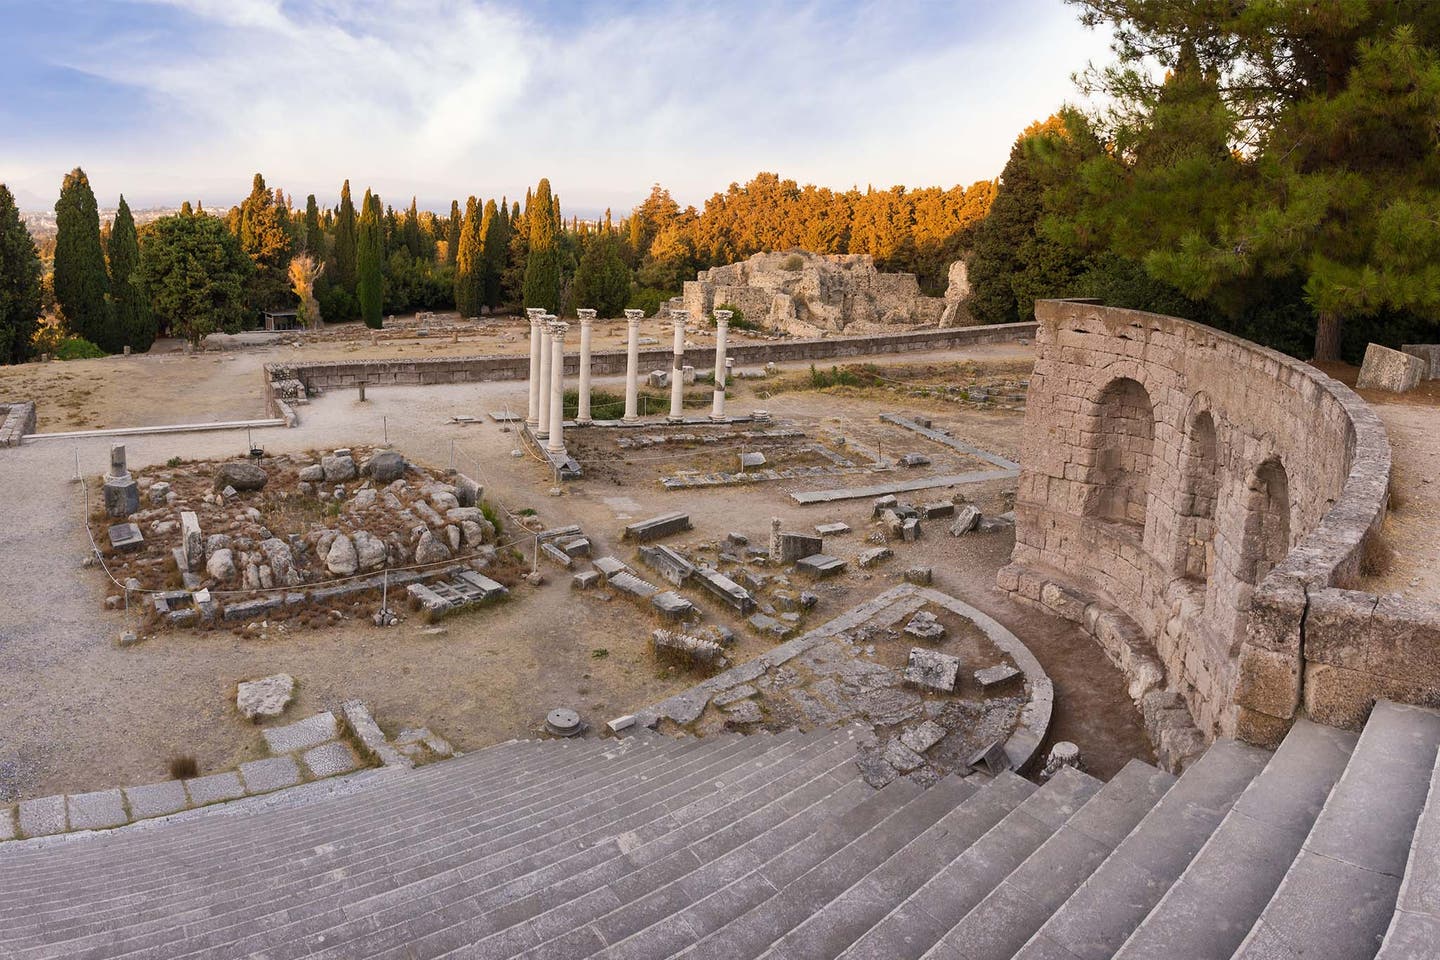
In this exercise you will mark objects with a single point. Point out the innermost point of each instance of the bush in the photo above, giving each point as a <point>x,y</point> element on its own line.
<point>649,299</point>
<point>77,348</point>
<point>792,262</point>
<point>834,377</point>
<point>737,319</point>
<point>338,305</point>
<point>183,768</point>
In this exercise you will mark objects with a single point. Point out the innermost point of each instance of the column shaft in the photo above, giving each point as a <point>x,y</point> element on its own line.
<point>717,410</point>
<point>556,442</point>
<point>583,415</point>
<point>532,415</point>
<point>677,371</point>
<point>632,369</point>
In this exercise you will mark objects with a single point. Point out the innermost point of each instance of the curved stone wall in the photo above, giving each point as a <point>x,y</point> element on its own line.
<point>1187,497</point>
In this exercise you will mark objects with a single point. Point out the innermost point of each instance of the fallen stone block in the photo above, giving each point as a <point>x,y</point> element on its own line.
<point>585,579</point>
<point>1386,369</point>
<point>966,519</point>
<point>267,697</point>
<point>672,605</point>
<point>925,626</point>
<point>687,647</point>
<point>820,565</point>
<point>873,556</point>
<point>656,527</point>
<point>992,678</point>
<point>932,670</point>
<point>923,735</point>
<point>922,576</point>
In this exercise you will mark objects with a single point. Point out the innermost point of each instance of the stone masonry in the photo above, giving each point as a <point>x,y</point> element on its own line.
<point>1198,503</point>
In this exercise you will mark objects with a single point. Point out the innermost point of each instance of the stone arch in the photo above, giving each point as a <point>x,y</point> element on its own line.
<point>1199,490</point>
<point>1266,540</point>
<point>1124,432</point>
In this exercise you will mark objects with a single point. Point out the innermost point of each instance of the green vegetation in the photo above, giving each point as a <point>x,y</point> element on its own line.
<point>469,268</point>
<point>77,348</point>
<point>134,321</point>
<point>196,275</point>
<point>542,263</point>
<point>82,285</point>
<point>602,281</point>
<point>369,262</point>
<point>19,284</point>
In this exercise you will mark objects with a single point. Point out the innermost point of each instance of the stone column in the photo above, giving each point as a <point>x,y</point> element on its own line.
<point>677,368</point>
<point>542,410</point>
<point>722,328</point>
<point>121,492</point>
<point>556,442</point>
<point>587,318</point>
<point>632,366</point>
<point>537,347</point>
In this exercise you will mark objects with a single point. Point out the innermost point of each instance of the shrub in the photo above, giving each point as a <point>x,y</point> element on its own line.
<point>649,299</point>
<point>77,348</point>
<point>737,319</point>
<point>793,262</point>
<point>487,509</point>
<point>183,767</point>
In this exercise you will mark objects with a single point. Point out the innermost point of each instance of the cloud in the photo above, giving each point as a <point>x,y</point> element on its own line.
<point>448,98</point>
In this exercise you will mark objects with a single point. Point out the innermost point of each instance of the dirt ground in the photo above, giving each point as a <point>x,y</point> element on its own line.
<point>80,713</point>
<point>1411,564</point>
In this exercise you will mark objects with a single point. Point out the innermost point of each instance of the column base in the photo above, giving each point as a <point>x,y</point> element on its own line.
<point>584,423</point>
<point>722,418</point>
<point>674,419</point>
<point>629,419</point>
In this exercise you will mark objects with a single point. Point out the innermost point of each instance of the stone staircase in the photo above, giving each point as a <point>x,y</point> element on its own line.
<point>772,846</point>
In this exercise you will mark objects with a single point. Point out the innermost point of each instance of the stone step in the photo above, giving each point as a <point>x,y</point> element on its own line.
<point>520,915</point>
<point>627,892</point>
<point>1338,896</point>
<point>1415,928</point>
<point>915,924</point>
<point>348,861</point>
<point>751,934</point>
<point>1107,908</point>
<point>1009,915</point>
<point>395,901</point>
<point>1207,912</point>
<point>387,819</point>
<point>733,884</point>
<point>837,924</point>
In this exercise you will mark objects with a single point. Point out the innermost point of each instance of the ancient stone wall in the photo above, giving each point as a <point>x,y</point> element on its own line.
<point>1199,504</point>
<point>16,420</point>
<point>329,375</point>
<point>809,293</point>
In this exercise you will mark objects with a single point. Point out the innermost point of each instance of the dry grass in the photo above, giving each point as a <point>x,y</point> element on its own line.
<point>183,767</point>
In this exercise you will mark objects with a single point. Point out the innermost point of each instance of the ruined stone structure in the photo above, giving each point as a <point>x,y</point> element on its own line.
<point>1200,505</point>
<point>808,294</point>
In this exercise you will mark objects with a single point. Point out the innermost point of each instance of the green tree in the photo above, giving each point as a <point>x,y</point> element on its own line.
<point>410,231</point>
<point>1329,112</point>
<point>602,281</point>
<point>314,232</point>
<point>345,243</point>
<point>82,286</point>
<point>542,264</point>
<point>496,245</point>
<point>133,321</point>
<point>196,274</point>
<point>19,283</point>
<point>469,266</point>
<point>264,231</point>
<point>370,261</point>
<point>452,233</point>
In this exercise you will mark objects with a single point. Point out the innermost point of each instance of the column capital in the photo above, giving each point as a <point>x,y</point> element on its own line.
<point>586,316</point>
<point>558,329</point>
<point>723,316</point>
<point>634,317</point>
<point>680,316</point>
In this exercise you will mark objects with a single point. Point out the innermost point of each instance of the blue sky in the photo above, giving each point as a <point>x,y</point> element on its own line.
<point>171,99</point>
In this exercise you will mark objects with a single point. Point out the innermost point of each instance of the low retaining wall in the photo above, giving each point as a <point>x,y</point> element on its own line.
<point>1200,504</point>
<point>16,420</point>
<point>330,375</point>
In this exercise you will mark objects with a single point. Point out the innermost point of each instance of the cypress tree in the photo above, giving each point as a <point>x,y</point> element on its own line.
<point>411,230</point>
<point>370,261</point>
<point>19,283</point>
<point>264,232</point>
<point>452,234</point>
<point>82,286</point>
<point>345,242</point>
<point>496,245</point>
<point>469,265</point>
<point>314,233</point>
<point>542,263</point>
<point>133,320</point>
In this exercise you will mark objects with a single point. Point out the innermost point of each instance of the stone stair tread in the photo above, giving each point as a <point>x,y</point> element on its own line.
<point>831,929</point>
<point>751,933</point>
<point>1104,911</point>
<point>921,919</point>
<point>1339,894</point>
<point>1416,924</point>
<point>1000,924</point>
<point>562,906</point>
<point>1206,913</point>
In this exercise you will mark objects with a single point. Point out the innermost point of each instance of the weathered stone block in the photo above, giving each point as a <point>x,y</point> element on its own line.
<point>1268,681</point>
<point>1386,369</point>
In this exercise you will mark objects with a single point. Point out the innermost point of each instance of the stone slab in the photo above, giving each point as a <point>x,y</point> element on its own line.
<point>1386,369</point>
<point>903,486</point>
<point>215,787</point>
<point>330,759</point>
<point>272,773</point>
<point>302,735</point>
<point>156,799</point>
<point>932,670</point>
<point>9,828</point>
<point>99,810</point>
<point>43,816</point>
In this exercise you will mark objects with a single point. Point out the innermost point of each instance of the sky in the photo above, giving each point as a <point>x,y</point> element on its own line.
<point>165,100</point>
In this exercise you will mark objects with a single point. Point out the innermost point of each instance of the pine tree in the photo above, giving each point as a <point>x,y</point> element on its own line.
<point>469,266</point>
<point>19,283</point>
<point>314,232</point>
<point>496,234</point>
<point>82,286</point>
<point>452,233</point>
<point>602,281</point>
<point>345,243</point>
<point>542,264</point>
<point>133,320</point>
<point>370,261</point>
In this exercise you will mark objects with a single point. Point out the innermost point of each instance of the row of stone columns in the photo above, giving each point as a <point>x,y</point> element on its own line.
<point>545,415</point>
